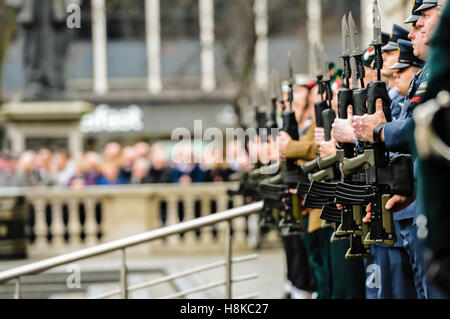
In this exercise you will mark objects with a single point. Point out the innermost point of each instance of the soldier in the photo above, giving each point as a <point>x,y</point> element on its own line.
<point>305,149</point>
<point>396,136</point>
<point>347,276</point>
<point>386,263</point>
<point>392,263</point>
<point>407,66</point>
<point>300,273</point>
<point>433,173</point>
<point>390,57</point>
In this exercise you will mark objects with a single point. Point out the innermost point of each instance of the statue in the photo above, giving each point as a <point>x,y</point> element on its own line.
<point>45,39</point>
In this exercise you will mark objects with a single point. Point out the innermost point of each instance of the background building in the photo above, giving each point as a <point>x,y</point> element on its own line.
<point>180,60</point>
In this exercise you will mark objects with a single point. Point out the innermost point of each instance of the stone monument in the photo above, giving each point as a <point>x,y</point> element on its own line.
<point>44,109</point>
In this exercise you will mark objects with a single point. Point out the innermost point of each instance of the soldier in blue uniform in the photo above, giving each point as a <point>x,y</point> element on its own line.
<point>390,56</point>
<point>397,136</point>
<point>389,272</point>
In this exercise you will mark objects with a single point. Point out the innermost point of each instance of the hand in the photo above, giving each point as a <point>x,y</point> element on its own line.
<point>327,148</point>
<point>283,141</point>
<point>253,148</point>
<point>364,125</point>
<point>264,153</point>
<point>398,203</point>
<point>280,106</point>
<point>319,135</point>
<point>395,204</point>
<point>274,149</point>
<point>368,217</point>
<point>343,129</point>
<point>302,200</point>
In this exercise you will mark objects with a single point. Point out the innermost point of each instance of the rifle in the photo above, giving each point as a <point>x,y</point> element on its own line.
<point>275,190</point>
<point>374,175</point>
<point>275,97</point>
<point>348,221</point>
<point>321,64</point>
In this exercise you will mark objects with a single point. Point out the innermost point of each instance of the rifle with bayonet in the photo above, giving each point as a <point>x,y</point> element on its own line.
<point>348,221</point>
<point>275,97</point>
<point>346,96</point>
<point>322,108</point>
<point>372,177</point>
<point>275,190</point>
<point>327,166</point>
<point>325,117</point>
<point>250,178</point>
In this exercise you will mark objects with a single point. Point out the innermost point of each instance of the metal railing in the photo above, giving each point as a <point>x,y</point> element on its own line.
<point>122,244</point>
<point>62,219</point>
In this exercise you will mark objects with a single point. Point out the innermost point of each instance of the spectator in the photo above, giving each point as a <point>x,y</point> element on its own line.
<point>213,164</point>
<point>63,168</point>
<point>111,152</point>
<point>160,173</point>
<point>111,175</point>
<point>7,170</point>
<point>78,180</point>
<point>142,150</point>
<point>140,171</point>
<point>25,175</point>
<point>92,162</point>
<point>127,159</point>
<point>186,171</point>
<point>237,156</point>
<point>43,167</point>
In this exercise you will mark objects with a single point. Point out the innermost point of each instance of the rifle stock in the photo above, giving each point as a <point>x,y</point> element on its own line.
<point>322,175</point>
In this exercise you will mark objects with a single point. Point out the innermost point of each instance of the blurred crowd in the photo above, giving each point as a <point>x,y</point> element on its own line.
<point>140,163</point>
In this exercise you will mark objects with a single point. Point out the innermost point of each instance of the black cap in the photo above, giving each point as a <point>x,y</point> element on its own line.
<point>414,17</point>
<point>397,33</point>
<point>427,4</point>
<point>407,57</point>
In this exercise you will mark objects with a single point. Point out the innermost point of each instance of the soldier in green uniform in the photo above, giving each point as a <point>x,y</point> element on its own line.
<point>316,239</point>
<point>431,144</point>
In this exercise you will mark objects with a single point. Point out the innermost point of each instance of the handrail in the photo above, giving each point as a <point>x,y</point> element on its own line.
<point>97,190</point>
<point>124,243</point>
<point>181,274</point>
<point>208,286</point>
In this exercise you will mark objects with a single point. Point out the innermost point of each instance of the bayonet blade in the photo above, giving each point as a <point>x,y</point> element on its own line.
<point>355,40</point>
<point>279,85</point>
<point>273,84</point>
<point>326,73</point>
<point>345,37</point>
<point>377,39</point>
<point>317,60</point>
<point>290,69</point>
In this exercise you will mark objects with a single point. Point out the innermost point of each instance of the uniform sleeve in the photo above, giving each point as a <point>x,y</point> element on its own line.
<point>397,135</point>
<point>305,148</point>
